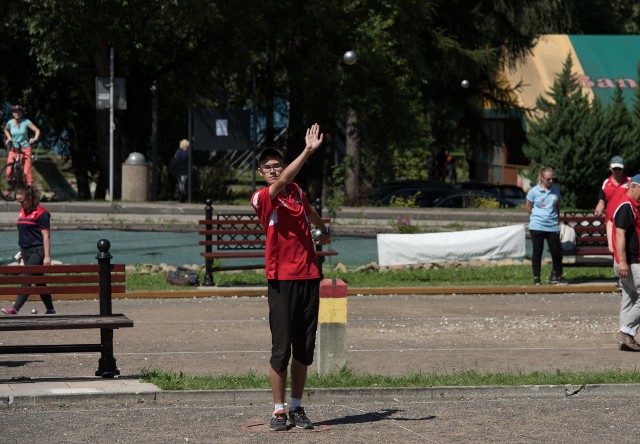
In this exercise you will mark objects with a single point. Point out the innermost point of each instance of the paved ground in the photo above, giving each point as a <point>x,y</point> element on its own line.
<point>386,335</point>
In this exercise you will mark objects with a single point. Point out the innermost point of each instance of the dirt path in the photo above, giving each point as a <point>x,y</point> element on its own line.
<point>385,335</point>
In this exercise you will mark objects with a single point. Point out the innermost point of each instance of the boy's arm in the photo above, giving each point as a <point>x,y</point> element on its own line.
<point>313,140</point>
<point>316,220</point>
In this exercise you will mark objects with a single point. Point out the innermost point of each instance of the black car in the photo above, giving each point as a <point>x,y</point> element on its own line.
<point>511,193</point>
<point>447,198</point>
<point>387,188</point>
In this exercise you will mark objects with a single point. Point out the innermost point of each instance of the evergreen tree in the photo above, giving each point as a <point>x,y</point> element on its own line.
<point>619,128</point>
<point>564,134</point>
<point>633,164</point>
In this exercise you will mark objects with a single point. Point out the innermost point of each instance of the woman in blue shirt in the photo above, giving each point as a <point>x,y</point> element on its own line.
<point>16,132</point>
<point>543,206</point>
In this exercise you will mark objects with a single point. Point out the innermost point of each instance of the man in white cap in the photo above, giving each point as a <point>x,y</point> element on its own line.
<point>613,188</point>
<point>626,265</point>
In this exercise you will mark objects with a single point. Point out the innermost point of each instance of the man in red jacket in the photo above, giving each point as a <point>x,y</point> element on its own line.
<point>626,225</point>
<point>613,188</point>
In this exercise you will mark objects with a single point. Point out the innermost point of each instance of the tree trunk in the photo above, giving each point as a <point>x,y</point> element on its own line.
<point>352,146</point>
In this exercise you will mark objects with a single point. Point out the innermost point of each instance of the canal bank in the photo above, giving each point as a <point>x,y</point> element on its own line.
<point>177,216</point>
<point>166,232</point>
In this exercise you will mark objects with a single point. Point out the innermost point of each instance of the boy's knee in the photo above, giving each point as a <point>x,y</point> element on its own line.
<point>279,362</point>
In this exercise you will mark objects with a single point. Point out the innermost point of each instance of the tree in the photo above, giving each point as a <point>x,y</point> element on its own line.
<point>404,92</point>
<point>620,132</point>
<point>565,134</point>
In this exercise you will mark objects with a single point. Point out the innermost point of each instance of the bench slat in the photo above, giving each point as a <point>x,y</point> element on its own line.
<point>252,232</point>
<point>587,229</point>
<point>260,243</point>
<point>63,322</point>
<point>255,221</point>
<point>588,251</point>
<point>580,219</point>
<point>57,348</point>
<point>82,289</point>
<point>591,240</point>
<point>55,279</point>
<point>229,222</point>
<point>21,279</point>
<point>236,254</point>
<point>88,268</point>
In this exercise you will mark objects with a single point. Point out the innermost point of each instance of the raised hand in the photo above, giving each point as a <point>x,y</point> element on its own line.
<point>313,138</point>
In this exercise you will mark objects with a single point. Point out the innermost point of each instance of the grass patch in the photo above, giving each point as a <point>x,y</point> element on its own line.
<point>347,379</point>
<point>481,276</point>
<point>149,281</point>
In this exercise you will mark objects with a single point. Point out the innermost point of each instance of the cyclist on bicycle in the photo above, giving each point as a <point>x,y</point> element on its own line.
<point>16,132</point>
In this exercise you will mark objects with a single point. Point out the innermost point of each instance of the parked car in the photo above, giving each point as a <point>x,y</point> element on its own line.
<point>443,198</point>
<point>385,189</point>
<point>511,193</point>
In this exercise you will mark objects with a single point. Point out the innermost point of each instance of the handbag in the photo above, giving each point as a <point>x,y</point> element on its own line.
<point>183,276</point>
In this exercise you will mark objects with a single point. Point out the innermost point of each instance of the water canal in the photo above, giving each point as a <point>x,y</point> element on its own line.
<point>173,248</point>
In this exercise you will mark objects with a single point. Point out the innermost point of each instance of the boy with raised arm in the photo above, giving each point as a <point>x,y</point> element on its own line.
<point>292,274</point>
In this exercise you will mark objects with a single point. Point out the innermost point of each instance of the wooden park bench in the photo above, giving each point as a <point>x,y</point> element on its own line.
<point>238,235</point>
<point>590,248</point>
<point>92,280</point>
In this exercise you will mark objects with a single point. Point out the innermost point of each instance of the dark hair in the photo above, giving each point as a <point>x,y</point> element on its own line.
<point>269,152</point>
<point>30,192</point>
<point>17,108</point>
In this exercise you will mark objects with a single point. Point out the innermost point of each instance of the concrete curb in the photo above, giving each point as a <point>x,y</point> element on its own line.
<point>417,394</point>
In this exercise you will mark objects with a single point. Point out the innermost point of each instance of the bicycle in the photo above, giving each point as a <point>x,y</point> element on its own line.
<point>12,176</point>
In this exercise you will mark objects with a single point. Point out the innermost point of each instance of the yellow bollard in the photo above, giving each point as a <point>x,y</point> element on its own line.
<point>332,326</point>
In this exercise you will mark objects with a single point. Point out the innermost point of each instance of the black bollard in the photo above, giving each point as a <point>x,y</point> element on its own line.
<point>107,363</point>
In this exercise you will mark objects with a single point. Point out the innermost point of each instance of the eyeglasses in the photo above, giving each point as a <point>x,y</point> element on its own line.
<point>548,179</point>
<point>274,167</point>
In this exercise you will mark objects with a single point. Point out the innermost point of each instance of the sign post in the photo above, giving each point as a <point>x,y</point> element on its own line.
<point>110,94</point>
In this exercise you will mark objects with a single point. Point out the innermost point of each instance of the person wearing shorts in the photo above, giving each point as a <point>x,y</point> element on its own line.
<point>33,237</point>
<point>293,276</point>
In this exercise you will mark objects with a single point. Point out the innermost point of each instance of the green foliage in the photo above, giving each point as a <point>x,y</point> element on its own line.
<point>404,88</point>
<point>401,202</point>
<point>213,181</point>
<point>483,202</point>
<point>619,134</point>
<point>403,225</point>
<point>567,134</point>
<point>503,275</point>
<point>337,191</point>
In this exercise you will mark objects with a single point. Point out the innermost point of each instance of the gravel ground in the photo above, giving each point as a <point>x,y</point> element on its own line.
<point>385,335</point>
<point>377,420</point>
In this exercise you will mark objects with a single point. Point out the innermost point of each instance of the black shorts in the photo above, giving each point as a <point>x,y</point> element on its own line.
<point>293,320</point>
